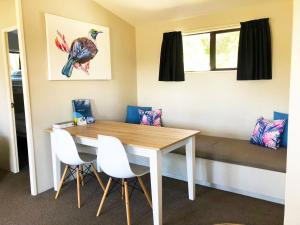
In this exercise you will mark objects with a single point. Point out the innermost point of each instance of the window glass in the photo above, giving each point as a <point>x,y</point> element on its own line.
<point>227,50</point>
<point>197,52</point>
<point>14,62</point>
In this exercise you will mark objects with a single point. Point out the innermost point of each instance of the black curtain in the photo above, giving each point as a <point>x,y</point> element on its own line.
<point>255,55</point>
<point>171,57</point>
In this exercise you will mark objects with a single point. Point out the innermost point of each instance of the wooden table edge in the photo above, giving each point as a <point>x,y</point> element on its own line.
<point>195,132</point>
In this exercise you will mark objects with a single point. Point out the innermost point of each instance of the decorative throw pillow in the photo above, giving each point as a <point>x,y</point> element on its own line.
<point>280,116</point>
<point>150,118</point>
<point>267,133</point>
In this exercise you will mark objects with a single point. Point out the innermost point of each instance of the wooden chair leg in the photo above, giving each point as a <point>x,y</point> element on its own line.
<point>81,175</point>
<point>78,186</point>
<point>61,181</point>
<point>127,203</point>
<point>122,188</point>
<point>104,196</point>
<point>97,176</point>
<point>145,191</point>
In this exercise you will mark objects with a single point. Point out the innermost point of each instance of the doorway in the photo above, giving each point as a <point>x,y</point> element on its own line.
<point>17,98</point>
<point>17,123</point>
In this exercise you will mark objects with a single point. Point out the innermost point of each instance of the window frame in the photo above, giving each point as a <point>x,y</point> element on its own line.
<point>212,48</point>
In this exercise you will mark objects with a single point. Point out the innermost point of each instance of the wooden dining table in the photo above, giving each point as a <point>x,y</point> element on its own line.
<point>147,141</point>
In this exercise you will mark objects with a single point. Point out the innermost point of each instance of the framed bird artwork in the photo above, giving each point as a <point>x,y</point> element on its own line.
<point>77,50</point>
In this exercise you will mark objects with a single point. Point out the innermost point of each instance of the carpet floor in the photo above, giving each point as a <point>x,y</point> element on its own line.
<point>211,206</point>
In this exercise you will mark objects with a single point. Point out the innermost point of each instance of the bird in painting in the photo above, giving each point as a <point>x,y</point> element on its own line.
<point>81,52</point>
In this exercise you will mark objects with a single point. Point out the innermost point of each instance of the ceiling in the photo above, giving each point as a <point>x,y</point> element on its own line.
<point>137,12</point>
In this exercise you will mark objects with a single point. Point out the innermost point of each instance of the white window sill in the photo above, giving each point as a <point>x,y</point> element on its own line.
<point>210,71</point>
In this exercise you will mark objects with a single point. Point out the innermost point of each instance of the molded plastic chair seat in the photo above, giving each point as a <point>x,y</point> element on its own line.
<point>113,160</point>
<point>67,152</point>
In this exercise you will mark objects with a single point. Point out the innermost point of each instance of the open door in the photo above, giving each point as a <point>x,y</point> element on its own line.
<point>10,68</point>
<point>19,151</point>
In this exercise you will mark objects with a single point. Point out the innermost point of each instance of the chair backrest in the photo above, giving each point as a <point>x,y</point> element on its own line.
<point>112,157</point>
<point>64,147</point>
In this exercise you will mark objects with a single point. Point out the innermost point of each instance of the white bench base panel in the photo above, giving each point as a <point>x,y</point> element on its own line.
<point>254,182</point>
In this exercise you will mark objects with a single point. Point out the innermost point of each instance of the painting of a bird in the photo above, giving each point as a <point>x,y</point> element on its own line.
<point>81,52</point>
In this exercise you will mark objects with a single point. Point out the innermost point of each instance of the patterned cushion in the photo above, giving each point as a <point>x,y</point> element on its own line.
<point>150,118</point>
<point>267,133</point>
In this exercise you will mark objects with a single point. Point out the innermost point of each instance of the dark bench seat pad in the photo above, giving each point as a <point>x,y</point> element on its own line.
<point>239,152</point>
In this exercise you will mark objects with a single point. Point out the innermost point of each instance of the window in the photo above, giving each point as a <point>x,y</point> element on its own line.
<point>14,61</point>
<point>211,51</point>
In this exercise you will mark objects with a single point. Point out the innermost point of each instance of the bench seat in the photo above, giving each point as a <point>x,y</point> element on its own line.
<point>239,152</point>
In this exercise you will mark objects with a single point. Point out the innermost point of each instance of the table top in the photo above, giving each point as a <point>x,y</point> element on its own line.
<point>133,134</point>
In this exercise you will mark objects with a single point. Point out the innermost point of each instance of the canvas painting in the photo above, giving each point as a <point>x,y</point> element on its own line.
<point>77,50</point>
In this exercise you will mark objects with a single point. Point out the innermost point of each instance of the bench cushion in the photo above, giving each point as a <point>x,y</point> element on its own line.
<point>239,152</point>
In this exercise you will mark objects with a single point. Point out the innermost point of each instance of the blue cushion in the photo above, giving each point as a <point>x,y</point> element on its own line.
<point>284,137</point>
<point>133,115</point>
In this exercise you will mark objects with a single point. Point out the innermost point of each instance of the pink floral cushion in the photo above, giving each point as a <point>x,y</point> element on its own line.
<point>150,118</point>
<point>268,133</point>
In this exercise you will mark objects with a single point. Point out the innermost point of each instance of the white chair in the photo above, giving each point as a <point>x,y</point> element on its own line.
<point>113,161</point>
<point>66,151</point>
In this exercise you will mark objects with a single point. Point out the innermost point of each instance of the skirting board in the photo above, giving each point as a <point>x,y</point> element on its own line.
<point>253,182</point>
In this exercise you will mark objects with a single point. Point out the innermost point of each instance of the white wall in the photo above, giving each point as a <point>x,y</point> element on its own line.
<point>7,19</point>
<point>215,102</point>
<point>51,100</point>
<point>292,204</point>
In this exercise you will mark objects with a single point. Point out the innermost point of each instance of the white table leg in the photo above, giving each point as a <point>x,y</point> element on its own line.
<point>190,164</point>
<point>156,186</point>
<point>56,167</point>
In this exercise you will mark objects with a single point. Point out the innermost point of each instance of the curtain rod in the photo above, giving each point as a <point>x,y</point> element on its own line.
<point>208,29</point>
